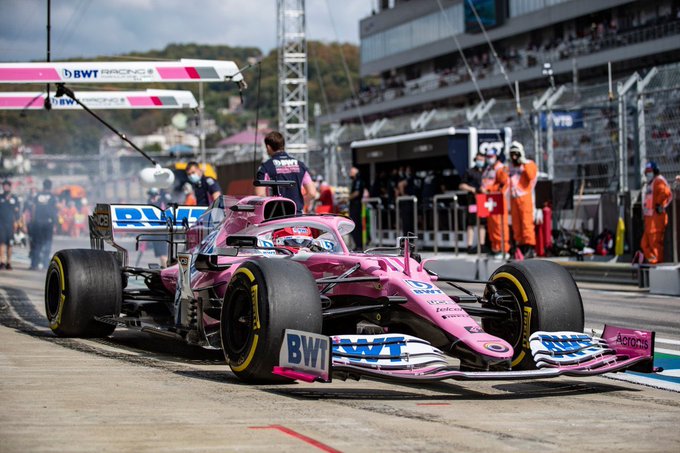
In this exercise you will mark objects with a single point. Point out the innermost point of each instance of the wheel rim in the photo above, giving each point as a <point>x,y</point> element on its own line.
<point>53,292</point>
<point>239,320</point>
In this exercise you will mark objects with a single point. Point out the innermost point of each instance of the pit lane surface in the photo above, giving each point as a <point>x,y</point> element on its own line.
<point>133,392</point>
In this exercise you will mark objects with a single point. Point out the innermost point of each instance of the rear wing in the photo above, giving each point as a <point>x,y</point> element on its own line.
<point>107,219</point>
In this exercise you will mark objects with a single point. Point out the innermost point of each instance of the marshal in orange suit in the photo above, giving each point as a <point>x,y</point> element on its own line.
<point>495,179</point>
<point>523,175</point>
<point>657,197</point>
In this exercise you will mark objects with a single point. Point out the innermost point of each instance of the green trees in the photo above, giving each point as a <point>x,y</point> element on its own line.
<point>78,133</point>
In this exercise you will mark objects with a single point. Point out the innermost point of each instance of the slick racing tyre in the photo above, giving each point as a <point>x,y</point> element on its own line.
<point>541,295</point>
<point>264,298</point>
<point>81,284</point>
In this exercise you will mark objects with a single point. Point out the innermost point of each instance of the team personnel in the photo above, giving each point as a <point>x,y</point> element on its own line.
<point>471,182</point>
<point>9,216</point>
<point>43,220</point>
<point>408,185</point>
<point>282,167</point>
<point>495,180</point>
<point>523,175</point>
<point>656,199</point>
<point>161,200</point>
<point>356,193</point>
<point>206,189</point>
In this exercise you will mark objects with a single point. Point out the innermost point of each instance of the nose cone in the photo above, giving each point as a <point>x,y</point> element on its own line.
<point>482,351</point>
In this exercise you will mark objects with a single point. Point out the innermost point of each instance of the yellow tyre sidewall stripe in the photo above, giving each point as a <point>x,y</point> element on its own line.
<point>526,319</point>
<point>256,319</point>
<point>54,323</point>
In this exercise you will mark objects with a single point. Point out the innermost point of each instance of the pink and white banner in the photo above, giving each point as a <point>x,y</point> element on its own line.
<point>149,99</point>
<point>185,70</point>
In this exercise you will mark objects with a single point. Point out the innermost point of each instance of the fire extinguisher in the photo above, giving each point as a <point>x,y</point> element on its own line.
<point>544,231</point>
<point>547,226</point>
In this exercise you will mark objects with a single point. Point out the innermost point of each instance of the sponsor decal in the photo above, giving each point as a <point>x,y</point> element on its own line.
<point>183,261</point>
<point>422,288</point>
<point>526,323</point>
<point>461,315</point>
<point>440,302</point>
<point>265,243</point>
<point>632,342</point>
<point>90,101</point>
<point>474,329</point>
<point>496,347</point>
<point>484,147</point>
<point>80,73</point>
<point>306,352</point>
<point>370,350</point>
<point>440,309</point>
<point>149,216</point>
<point>328,245</point>
<point>126,73</point>
<point>63,101</point>
<point>101,220</point>
<point>285,163</point>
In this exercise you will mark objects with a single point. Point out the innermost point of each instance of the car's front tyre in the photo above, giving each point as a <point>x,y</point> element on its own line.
<point>265,297</point>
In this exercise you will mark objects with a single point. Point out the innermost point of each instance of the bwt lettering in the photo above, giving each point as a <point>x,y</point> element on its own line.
<point>307,350</point>
<point>81,73</point>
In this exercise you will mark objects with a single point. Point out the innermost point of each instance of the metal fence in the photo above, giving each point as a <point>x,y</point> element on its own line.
<point>603,151</point>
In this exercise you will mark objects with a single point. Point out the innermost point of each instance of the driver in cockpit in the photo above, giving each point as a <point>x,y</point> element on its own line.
<point>294,238</point>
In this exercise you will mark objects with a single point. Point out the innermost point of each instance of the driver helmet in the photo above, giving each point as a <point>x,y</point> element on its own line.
<point>293,237</point>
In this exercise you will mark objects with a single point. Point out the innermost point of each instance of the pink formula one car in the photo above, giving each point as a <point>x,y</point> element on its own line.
<point>285,299</point>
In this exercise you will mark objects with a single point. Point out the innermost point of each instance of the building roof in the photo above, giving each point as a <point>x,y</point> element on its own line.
<point>246,137</point>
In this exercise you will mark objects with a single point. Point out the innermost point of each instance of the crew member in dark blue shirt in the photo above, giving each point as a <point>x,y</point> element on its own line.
<point>9,215</point>
<point>43,220</point>
<point>282,167</point>
<point>356,193</point>
<point>206,189</point>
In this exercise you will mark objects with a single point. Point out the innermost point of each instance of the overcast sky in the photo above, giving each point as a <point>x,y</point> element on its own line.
<point>90,28</point>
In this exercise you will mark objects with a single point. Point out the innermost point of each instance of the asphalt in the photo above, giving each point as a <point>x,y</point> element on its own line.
<point>136,393</point>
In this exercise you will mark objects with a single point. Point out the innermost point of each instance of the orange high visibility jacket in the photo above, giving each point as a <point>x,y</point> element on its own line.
<point>657,193</point>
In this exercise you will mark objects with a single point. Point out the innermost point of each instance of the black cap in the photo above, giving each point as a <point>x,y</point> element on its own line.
<point>6,182</point>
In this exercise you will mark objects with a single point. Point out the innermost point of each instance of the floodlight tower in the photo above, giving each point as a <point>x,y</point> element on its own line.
<point>292,44</point>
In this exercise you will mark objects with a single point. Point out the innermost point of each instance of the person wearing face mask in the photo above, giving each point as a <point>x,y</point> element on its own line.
<point>657,197</point>
<point>523,175</point>
<point>206,189</point>
<point>471,182</point>
<point>494,180</point>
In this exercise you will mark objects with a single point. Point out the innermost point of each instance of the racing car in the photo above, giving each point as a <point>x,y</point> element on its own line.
<point>285,299</point>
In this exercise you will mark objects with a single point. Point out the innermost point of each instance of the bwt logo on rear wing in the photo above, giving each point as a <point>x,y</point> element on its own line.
<point>137,218</point>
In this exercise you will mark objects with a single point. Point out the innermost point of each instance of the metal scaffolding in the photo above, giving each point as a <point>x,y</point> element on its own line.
<point>293,76</point>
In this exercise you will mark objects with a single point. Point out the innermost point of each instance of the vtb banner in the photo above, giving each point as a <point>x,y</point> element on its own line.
<point>490,204</point>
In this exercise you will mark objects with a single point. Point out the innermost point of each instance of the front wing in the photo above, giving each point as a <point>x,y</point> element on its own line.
<point>310,357</point>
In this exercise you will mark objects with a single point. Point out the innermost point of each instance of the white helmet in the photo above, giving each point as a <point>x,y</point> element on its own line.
<point>516,147</point>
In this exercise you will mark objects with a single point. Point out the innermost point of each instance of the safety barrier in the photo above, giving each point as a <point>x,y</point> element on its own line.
<point>414,200</point>
<point>674,222</point>
<point>435,202</point>
<point>375,204</point>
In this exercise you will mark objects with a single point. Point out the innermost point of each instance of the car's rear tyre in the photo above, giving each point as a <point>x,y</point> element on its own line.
<point>541,295</point>
<point>81,284</point>
<point>264,298</point>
